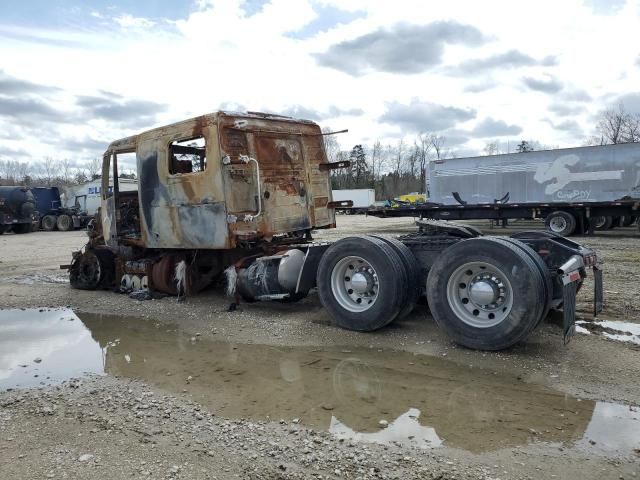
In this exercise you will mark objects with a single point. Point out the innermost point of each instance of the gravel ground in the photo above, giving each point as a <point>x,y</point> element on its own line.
<point>116,427</point>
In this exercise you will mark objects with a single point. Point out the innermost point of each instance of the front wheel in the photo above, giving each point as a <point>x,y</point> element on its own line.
<point>361,283</point>
<point>92,269</point>
<point>486,294</point>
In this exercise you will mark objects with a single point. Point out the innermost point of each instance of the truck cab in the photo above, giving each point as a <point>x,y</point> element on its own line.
<point>218,180</point>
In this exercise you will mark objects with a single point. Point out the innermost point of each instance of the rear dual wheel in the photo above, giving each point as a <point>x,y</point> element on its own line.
<point>362,283</point>
<point>487,293</point>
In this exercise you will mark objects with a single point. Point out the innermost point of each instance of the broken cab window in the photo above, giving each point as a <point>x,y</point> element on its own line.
<point>187,156</point>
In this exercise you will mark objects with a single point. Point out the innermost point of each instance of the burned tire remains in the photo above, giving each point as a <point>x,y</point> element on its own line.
<point>91,270</point>
<point>486,294</point>
<point>362,283</point>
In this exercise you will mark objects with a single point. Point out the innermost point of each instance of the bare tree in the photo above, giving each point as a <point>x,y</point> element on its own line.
<point>437,143</point>
<point>618,126</point>
<point>331,146</point>
<point>491,148</point>
<point>49,168</point>
<point>398,155</point>
<point>425,147</point>
<point>377,159</point>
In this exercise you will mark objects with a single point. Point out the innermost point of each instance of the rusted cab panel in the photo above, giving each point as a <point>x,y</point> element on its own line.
<point>215,180</point>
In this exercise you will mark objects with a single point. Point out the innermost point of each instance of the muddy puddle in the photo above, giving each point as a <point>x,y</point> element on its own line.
<point>361,394</point>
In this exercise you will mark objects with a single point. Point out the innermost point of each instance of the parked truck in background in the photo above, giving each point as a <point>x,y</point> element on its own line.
<point>17,210</point>
<point>238,196</point>
<point>53,215</point>
<point>361,198</point>
<point>574,190</point>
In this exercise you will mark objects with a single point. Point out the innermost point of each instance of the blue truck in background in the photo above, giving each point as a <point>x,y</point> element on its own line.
<point>53,215</point>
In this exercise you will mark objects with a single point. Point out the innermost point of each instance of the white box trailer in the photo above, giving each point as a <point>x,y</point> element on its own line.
<point>87,195</point>
<point>575,190</point>
<point>362,198</point>
<point>605,173</point>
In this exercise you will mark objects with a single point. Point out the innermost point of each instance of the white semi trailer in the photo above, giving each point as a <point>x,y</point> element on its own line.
<point>575,190</point>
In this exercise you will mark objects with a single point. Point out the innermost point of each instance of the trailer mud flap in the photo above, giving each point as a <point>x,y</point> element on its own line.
<point>598,292</point>
<point>568,311</point>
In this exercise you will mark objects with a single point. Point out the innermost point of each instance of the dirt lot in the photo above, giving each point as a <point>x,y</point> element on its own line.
<point>275,391</point>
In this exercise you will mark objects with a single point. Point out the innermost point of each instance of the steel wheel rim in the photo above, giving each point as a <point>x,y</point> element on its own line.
<point>355,284</point>
<point>480,294</point>
<point>557,224</point>
<point>600,221</point>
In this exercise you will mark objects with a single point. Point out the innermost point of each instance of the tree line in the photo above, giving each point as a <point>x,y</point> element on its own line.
<point>51,173</point>
<point>391,170</point>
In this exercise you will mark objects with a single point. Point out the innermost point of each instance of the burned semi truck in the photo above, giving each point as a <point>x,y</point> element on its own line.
<point>236,197</point>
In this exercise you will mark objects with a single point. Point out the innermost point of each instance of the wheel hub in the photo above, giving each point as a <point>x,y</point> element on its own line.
<point>354,283</point>
<point>479,294</point>
<point>558,224</point>
<point>483,292</point>
<point>361,282</point>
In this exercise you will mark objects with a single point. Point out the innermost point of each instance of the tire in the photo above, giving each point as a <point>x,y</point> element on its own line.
<point>602,222</point>
<point>627,221</point>
<point>503,268</point>
<point>542,268</point>
<point>560,222</point>
<point>412,269</point>
<point>21,228</point>
<point>92,269</point>
<point>383,300</point>
<point>64,223</point>
<point>48,222</point>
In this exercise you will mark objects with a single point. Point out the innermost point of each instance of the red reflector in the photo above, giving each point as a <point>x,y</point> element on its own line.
<point>574,276</point>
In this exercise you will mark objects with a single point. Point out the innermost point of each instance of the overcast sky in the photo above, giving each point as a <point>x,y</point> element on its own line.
<point>73,77</point>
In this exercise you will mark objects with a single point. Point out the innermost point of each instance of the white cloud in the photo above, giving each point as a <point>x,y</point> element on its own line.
<point>129,21</point>
<point>220,55</point>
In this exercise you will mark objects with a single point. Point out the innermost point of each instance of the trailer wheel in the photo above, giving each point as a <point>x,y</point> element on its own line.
<point>412,268</point>
<point>602,222</point>
<point>91,270</point>
<point>64,223</point>
<point>48,222</point>
<point>487,294</point>
<point>361,283</point>
<point>560,222</point>
<point>627,220</point>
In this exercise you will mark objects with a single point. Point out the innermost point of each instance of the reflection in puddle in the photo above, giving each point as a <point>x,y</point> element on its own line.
<point>423,401</point>
<point>404,430</point>
<point>39,348</point>
<point>613,329</point>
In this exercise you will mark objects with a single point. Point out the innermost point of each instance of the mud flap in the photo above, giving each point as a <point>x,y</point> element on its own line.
<point>568,311</point>
<point>598,292</point>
